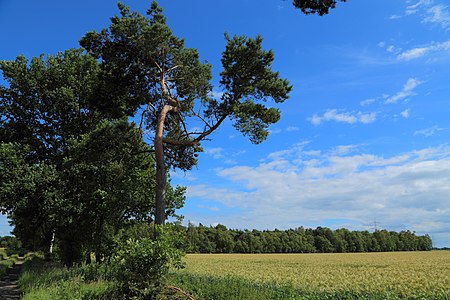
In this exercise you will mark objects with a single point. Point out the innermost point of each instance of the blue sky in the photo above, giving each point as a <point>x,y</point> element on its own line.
<point>364,136</point>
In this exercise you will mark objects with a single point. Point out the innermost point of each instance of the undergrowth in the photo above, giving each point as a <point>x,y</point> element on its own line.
<point>42,280</point>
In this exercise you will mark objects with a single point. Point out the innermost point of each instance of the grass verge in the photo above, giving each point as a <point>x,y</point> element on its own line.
<point>41,280</point>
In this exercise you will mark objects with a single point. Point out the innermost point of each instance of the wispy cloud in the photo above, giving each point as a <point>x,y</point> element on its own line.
<point>343,117</point>
<point>406,113</point>
<point>395,17</point>
<point>438,14</point>
<point>292,128</point>
<point>216,153</point>
<point>408,90</point>
<point>430,12</point>
<point>421,51</point>
<point>344,149</point>
<point>412,9</point>
<point>413,53</point>
<point>428,131</point>
<point>210,208</point>
<point>367,101</point>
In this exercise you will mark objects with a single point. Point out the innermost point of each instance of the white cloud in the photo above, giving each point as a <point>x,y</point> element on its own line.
<point>344,149</point>
<point>216,153</point>
<point>367,101</point>
<point>406,113</point>
<point>393,49</point>
<point>274,131</point>
<point>413,53</point>
<point>395,17</point>
<point>438,14</point>
<point>404,191</point>
<point>183,175</point>
<point>408,90</point>
<point>343,117</point>
<point>292,128</point>
<point>367,118</point>
<point>210,208</point>
<point>434,14</point>
<point>240,152</point>
<point>428,131</point>
<point>230,161</point>
<point>413,8</point>
<point>422,51</point>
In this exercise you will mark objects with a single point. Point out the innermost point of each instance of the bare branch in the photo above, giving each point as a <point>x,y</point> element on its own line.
<point>157,65</point>
<point>173,68</point>
<point>149,105</point>
<point>178,290</point>
<point>184,124</point>
<point>201,118</point>
<point>199,138</point>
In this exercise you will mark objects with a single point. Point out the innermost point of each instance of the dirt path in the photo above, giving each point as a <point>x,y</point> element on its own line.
<point>8,284</point>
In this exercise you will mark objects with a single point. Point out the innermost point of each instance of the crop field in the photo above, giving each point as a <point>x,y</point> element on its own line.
<point>395,275</point>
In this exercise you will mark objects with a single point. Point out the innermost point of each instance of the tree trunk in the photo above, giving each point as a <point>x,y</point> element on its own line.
<point>88,256</point>
<point>161,176</point>
<point>50,250</point>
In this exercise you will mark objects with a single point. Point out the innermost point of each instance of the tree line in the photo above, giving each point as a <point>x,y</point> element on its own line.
<point>220,239</point>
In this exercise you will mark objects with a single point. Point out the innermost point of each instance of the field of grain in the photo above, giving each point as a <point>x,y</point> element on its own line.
<point>420,275</point>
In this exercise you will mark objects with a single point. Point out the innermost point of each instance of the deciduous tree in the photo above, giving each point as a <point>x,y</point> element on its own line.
<point>66,168</point>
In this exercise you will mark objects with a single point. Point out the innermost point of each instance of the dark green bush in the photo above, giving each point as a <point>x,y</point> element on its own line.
<point>141,264</point>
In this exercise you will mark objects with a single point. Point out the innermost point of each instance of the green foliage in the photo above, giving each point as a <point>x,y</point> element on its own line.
<point>219,239</point>
<point>145,65</point>
<point>41,280</point>
<point>110,177</point>
<point>320,7</point>
<point>5,264</point>
<point>28,194</point>
<point>136,52</point>
<point>247,77</point>
<point>136,270</point>
<point>13,246</point>
<point>66,169</point>
<point>45,104</point>
<point>140,264</point>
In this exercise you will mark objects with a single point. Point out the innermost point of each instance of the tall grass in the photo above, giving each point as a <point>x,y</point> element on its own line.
<point>41,280</point>
<point>6,262</point>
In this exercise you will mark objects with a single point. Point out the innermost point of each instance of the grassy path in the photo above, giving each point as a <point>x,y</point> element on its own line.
<point>8,284</point>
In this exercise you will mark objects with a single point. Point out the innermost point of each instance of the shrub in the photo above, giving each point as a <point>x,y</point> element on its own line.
<point>3,254</point>
<point>141,264</point>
